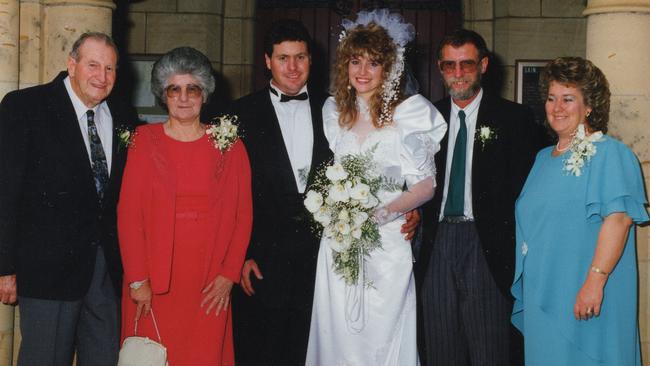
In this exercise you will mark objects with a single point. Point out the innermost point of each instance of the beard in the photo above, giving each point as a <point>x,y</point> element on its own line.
<point>463,94</point>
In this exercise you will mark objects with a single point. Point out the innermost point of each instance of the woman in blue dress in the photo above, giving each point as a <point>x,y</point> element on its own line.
<point>575,283</point>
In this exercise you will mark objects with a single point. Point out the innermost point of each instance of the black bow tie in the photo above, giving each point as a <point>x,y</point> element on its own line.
<point>286,98</point>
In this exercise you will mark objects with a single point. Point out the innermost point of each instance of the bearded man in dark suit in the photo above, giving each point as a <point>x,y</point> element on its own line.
<point>469,225</point>
<point>61,162</point>
<point>282,128</point>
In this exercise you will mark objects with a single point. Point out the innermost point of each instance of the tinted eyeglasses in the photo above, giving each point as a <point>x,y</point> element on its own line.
<point>449,67</point>
<point>192,90</point>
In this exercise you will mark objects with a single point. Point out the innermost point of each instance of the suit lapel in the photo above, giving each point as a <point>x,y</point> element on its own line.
<point>441,156</point>
<point>483,119</point>
<point>277,157</point>
<point>320,149</point>
<point>67,130</point>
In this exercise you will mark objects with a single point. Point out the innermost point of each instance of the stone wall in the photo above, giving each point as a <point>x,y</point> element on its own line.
<point>531,29</point>
<point>221,29</point>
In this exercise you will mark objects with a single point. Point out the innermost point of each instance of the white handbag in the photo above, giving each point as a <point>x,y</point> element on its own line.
<point>142,351</point>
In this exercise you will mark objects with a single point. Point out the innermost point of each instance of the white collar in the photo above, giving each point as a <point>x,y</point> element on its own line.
<point>80,108</point>
<point>470,108</point>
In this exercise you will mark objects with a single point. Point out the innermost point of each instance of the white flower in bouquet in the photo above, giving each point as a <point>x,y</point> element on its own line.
<point>313,201</point>
<point>371,202</point>
<point>341,243</point>
<point>336,172</point>
<point>358,219</point>
<point>329,231</point>
<point>343,227</point>
<point>360,192</point>
<point>338,193</point>
<point>341,200</point>
<point>323,216</point>
<point>344,215</point>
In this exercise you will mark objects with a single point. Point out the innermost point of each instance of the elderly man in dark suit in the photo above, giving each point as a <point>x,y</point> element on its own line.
<point>61,162</point>
<point>469,224</point>
<point>282,128</point>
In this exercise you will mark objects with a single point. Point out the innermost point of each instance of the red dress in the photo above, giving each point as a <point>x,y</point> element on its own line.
<point>205,197</point>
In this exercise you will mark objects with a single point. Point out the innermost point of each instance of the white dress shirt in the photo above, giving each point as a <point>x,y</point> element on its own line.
<point>294,117</point>
<point>471,114</point>
<point>103,121</point>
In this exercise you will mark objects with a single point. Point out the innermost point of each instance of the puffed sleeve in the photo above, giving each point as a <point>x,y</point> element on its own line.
<point>615,183</point>
<point>421,127</point>
<point>331,125</point>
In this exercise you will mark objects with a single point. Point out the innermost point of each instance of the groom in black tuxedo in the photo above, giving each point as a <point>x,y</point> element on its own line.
<point>469,225</point>
<point>282,128</point>
<point>61,165</point>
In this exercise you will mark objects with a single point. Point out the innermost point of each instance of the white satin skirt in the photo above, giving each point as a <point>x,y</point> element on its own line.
<point>373,325</point>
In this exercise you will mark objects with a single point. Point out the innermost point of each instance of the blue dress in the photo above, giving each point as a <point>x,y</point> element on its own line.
<point>559,216</point>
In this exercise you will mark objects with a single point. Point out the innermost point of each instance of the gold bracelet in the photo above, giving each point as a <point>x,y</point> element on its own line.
<point>598,270</point>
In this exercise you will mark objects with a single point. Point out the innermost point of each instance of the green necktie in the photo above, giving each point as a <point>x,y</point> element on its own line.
<point>455,205</point>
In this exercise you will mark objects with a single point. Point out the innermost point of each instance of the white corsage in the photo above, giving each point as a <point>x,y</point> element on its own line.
<point>222,131</point>
<point>485,135</point>
<point>125,135</point>
<point>582,150</point>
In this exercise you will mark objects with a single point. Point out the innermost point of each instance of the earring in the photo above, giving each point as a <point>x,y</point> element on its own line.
<point>349,87</point>
<point>587,115</point>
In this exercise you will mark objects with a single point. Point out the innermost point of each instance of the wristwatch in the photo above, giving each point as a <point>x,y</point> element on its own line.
<point>137,284</point>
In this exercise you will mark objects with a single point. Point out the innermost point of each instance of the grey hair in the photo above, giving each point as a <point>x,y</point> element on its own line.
<point>182,60</point>
<point>98,36</point>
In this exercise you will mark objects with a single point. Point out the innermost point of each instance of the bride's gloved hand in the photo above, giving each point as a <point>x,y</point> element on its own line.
<point>383,215</point>
<point>415,196</point>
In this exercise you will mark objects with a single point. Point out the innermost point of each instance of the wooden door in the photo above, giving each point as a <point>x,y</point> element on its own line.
<point>431,18</point>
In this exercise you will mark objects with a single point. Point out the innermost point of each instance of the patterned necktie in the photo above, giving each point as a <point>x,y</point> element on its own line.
<point>97,156</point>
<point>455,205</point>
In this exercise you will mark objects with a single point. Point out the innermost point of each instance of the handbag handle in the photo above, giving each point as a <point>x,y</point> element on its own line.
<point>155,326</point>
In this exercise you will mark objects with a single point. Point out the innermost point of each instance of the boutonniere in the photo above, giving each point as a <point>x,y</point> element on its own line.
<point>582,150</point>
<point>125,134</point>
<point>485,135</point>
<point>222,131</point>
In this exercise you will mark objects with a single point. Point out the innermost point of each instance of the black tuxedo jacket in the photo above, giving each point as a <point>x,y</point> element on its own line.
<point>499,171</point>
<point>283,242</point>
<point>51,221</point>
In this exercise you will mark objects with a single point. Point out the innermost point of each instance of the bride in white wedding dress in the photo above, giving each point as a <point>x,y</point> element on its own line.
<point>374,322</point>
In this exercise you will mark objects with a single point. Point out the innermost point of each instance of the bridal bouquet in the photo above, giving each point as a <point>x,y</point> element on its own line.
<point>342,200</point>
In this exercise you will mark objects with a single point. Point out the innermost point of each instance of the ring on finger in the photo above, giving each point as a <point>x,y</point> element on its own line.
<point>589,311</point>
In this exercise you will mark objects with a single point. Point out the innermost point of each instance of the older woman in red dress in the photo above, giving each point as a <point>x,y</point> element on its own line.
<point>184,220</point>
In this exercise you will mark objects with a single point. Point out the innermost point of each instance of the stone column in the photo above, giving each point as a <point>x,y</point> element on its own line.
<point>617,42</point>
<point>238,45</point>
<point>9,30</point>
<point>62,22</point>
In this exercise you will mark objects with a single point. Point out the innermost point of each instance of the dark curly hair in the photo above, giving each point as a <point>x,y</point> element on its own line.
<point>586,77</point>
<point>285,30</point>
<point>371,41</point>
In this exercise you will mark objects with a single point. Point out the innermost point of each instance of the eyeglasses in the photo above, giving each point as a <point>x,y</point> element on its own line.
<point>449,67</point>
<point>192,91</point>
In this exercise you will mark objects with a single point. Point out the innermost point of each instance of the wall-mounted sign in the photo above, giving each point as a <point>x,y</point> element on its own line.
<point>527,86</point>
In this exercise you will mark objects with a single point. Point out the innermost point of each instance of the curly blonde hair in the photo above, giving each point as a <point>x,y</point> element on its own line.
<point>586,77</point>
<point>371,41</point>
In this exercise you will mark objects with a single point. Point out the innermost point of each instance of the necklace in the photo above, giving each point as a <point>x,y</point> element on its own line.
<point>557,147</point>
